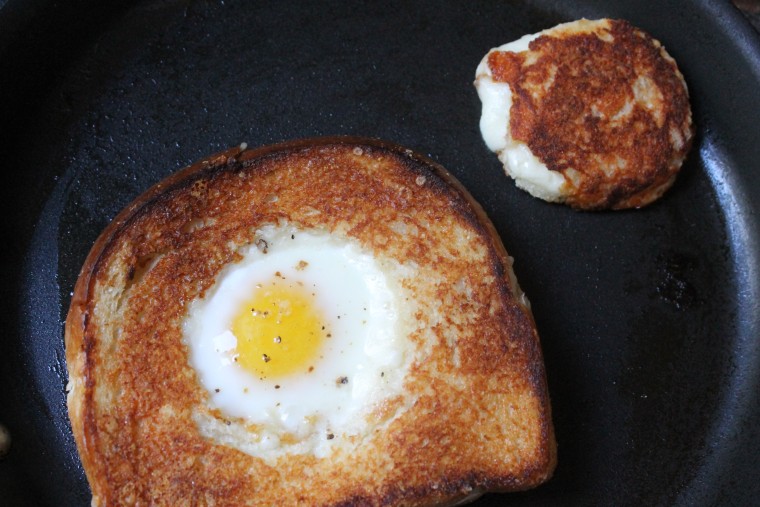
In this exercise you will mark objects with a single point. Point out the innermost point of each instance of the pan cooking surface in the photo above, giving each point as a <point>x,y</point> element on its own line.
<point>648,318</point>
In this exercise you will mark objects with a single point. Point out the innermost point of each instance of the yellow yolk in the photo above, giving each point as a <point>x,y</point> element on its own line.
<point>279,331</point>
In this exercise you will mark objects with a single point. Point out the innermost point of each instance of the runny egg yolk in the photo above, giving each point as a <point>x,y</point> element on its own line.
<point>279,330</point>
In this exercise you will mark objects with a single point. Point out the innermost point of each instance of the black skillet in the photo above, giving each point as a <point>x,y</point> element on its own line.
<point>649,318</point>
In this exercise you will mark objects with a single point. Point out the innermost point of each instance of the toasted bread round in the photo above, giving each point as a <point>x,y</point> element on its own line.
<point>594,114</point>
<point>474,412</point>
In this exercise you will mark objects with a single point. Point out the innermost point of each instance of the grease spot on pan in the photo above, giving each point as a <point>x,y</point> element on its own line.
<point>675,274</point>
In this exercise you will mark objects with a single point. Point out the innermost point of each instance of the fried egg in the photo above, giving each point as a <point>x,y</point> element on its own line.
<point>520,163</point>
<point>296,343</point>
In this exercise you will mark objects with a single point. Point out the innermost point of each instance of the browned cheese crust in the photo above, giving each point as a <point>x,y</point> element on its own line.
<point>608,109</point>
<point>484,425</point>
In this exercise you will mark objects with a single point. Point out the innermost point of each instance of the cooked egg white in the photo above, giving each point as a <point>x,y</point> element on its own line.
<point>519,161</point>
<point>296,343</point>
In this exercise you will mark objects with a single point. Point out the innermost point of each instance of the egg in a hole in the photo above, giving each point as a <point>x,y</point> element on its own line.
<point>320,322</point>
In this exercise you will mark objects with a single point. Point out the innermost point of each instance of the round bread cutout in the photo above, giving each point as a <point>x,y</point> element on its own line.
<point>593,114</point>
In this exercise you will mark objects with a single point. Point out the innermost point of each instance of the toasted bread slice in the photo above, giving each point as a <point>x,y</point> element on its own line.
<point>475,413</point>
<point>592,113</point>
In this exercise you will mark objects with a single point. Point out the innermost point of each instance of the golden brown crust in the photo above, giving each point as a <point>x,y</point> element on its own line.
<point>132,388</point>
<point>605,106</point>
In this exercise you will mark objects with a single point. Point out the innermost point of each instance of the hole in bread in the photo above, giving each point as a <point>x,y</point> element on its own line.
<point>141,268</point>
<point>196,224</point>
<point>135,275</point>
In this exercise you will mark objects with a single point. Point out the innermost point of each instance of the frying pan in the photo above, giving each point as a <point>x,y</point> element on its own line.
<point>648,318</point>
